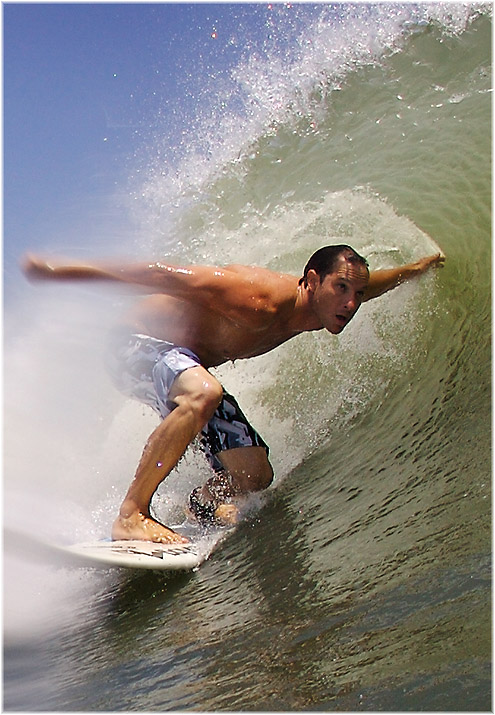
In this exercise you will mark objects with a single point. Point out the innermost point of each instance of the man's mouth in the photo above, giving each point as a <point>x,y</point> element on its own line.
<point>342,319</point>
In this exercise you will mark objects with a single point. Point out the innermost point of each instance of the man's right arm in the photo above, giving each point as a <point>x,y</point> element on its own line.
<point>149,277</point>
<point>239,295</point>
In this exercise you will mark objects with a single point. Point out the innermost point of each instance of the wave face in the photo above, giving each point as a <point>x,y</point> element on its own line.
<point>364,581</point>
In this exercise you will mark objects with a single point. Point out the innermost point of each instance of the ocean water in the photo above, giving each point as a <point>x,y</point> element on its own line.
<point>363,579</point>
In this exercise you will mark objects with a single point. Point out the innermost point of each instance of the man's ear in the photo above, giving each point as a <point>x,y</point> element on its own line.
<point>313,279</point>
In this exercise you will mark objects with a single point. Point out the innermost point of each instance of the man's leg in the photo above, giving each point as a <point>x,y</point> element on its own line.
<point>248,468</point>
<point>197,395</point>
<point>239,458</point>
<point>245,470</point>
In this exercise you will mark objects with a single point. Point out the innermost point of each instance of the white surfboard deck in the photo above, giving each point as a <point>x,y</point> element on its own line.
<point>105,553</point>
<point>137,555</point>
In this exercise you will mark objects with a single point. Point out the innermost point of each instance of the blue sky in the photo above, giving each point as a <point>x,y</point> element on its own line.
<point>86,88</point>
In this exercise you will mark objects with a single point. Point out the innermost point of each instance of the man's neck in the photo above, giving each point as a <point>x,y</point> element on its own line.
<point>303,318</point>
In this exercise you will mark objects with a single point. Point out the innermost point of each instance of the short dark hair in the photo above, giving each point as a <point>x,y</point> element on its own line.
<point>324,261</point>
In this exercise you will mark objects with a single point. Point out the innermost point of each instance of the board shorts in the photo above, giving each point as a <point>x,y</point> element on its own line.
<point>145,368</point>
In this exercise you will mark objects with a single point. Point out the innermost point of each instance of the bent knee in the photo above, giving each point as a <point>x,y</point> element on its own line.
<point>261,473</point>
<point>266,476</point>
<point>248,467</point>
<point>256,478</point>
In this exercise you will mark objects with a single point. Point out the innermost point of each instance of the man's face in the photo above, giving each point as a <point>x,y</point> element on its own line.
<point>337,298</point>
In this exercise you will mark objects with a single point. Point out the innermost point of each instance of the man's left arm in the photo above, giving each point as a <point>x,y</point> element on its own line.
<point>388,278</point>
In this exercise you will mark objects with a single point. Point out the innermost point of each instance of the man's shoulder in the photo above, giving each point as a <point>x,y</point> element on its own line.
<point>260,273</point>
<point>265,291</point>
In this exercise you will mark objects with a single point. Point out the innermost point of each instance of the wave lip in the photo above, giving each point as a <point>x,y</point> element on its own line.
<point>306,55</point>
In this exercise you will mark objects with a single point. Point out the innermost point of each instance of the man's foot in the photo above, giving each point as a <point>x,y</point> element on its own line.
<point>144,528</point>
<point>211,513</point>
<point>227,514</point>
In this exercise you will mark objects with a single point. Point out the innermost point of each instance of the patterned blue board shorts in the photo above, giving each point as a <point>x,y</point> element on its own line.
<point>145,368</point>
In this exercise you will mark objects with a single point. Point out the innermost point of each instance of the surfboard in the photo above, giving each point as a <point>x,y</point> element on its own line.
<point>136,555</point>
<point>105,553</point>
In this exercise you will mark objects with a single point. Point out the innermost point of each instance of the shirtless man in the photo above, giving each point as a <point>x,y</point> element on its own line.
<point>198,317</point>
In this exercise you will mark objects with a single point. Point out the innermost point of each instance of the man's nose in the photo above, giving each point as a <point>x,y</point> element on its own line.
<point>351,303</point>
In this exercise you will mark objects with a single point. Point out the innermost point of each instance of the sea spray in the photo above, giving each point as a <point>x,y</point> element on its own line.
<point>287,82</point>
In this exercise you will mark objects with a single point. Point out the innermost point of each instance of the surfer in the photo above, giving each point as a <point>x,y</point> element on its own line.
<point>194,318</point>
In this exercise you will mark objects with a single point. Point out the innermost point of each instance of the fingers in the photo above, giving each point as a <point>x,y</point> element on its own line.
<point>439,259</point>
<point>436,261</point>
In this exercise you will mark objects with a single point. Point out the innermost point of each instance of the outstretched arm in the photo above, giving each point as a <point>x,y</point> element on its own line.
<point>155,277</point>
<point>228,290</point>
<point>384,280</point>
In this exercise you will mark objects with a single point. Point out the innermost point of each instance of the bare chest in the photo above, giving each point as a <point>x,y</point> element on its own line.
<point>214,337</point>
<point>234,342</point>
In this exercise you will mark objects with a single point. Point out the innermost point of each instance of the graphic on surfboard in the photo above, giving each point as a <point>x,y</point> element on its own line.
<point>137,554</point>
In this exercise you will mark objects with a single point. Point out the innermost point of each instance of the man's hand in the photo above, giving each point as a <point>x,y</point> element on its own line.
<point>35,268</point>
<point>436,261</point>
